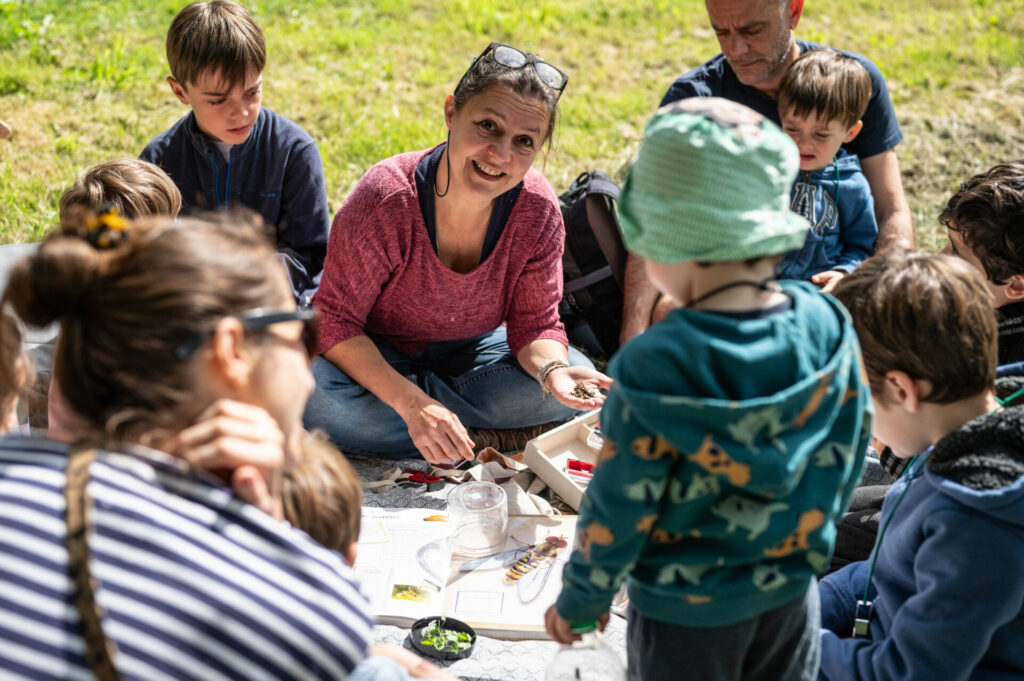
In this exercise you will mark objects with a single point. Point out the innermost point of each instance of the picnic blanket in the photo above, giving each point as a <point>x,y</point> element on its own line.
<point>492,659</point>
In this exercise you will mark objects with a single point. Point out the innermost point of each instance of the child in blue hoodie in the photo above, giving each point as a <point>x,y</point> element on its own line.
<point>945,581</point>
<point>821,100</point>
<point>736,426</point>
<point>229,150</point>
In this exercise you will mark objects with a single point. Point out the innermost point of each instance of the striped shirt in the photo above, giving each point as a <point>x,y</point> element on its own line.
<point>193,583</point>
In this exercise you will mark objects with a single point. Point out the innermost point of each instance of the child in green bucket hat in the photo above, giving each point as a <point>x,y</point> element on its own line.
<point>736,426</point>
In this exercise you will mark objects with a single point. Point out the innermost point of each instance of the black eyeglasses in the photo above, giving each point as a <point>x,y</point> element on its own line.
<point>259,320</point>
<point>514,58</point>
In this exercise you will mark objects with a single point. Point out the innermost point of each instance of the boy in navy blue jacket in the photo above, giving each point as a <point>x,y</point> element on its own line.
<point>822,98</point>
<point>944,580</point>
<point>231,152</point>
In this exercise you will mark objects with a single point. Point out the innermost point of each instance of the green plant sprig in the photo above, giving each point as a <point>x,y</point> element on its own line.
<point>445,639</point>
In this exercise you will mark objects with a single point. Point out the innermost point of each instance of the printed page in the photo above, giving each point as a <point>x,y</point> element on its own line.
<point>403,561</point>
<point>506,594</point>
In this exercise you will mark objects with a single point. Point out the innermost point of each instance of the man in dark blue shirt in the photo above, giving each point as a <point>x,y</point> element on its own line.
<point>756,37</point>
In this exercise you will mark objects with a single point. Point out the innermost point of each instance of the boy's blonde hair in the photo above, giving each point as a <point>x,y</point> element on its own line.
<point>830,84</point>
<point>136,188</point>
<point>322,496</point>
<point>929,316</point>
<point>219,36</point>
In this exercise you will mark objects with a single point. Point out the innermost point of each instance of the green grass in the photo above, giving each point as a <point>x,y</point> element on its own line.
<point>82,82</point>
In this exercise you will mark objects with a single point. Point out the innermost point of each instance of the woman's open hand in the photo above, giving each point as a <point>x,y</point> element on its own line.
<point>563,383</point>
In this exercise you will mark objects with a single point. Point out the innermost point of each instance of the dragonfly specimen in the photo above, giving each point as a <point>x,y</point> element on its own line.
<point>530,565</point>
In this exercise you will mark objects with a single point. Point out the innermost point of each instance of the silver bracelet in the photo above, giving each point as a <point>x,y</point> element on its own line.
<point>545,370</point>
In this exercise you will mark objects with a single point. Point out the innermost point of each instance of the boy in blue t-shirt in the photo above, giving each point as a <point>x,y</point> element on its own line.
<point>229,151</point>
<point>822,98</point>
<point>736,426</point>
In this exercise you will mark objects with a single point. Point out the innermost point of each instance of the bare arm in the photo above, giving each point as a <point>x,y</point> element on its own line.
<point>435,430</point>
<point>642,303</point>
<point>416,666</point>
<point>638,299</point>
<point>892,212</point>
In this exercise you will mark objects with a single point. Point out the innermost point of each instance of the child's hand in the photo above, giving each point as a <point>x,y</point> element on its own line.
<point>827,280</point>
<point>559,628</point>
<point>417,667</point>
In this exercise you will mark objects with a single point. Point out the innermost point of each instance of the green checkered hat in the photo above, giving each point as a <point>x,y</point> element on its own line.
<point>711,183</point>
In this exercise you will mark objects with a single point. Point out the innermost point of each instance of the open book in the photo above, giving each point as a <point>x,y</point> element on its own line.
<point>408,571</point>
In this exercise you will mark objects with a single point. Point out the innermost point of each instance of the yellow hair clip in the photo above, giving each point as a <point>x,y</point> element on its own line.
<point>105,230</point>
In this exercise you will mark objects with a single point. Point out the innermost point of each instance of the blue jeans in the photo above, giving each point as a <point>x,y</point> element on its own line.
<point>780,645</point>
<point>478,379</point>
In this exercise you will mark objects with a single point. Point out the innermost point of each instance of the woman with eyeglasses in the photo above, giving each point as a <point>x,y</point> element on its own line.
<point>443,275</point>
<point>118,557</point>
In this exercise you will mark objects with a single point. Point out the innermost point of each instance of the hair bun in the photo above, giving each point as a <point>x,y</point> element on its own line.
<point>54,281</point>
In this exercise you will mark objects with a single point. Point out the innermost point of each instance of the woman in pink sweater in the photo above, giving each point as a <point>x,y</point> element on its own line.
<point>443,275</point>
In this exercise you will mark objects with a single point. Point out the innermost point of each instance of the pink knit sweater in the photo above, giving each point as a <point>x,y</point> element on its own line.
<point>383,277</point>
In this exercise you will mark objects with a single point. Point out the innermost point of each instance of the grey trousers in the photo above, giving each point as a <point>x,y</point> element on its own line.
<point>779,645</point>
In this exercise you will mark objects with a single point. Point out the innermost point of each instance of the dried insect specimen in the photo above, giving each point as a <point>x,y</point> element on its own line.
<point>582,392</point>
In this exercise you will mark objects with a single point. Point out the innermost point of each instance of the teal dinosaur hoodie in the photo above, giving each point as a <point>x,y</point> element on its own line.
<point>732,444</point>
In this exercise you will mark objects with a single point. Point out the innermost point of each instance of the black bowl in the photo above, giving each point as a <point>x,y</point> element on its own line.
<point>416,638</point>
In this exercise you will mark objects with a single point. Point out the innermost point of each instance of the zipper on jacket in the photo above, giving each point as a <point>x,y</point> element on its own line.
<point>227,180</point>
<point>216,178</point>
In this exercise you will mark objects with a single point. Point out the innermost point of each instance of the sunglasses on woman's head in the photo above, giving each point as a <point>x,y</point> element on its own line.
<point>514,58</point>
<point>259,320</point>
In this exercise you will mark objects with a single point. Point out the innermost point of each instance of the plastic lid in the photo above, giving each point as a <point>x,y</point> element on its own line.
<point>583,627</point>
<point>477,496</point>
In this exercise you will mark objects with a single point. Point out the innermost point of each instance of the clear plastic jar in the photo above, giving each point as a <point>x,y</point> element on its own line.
<point>588,659</point>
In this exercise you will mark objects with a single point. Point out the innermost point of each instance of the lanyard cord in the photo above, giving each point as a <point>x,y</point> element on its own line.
<point>1003,403</point>
<point>764,285</point>
<point>910,478</point>
<point>835,164</point>
<point>881,533</point>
